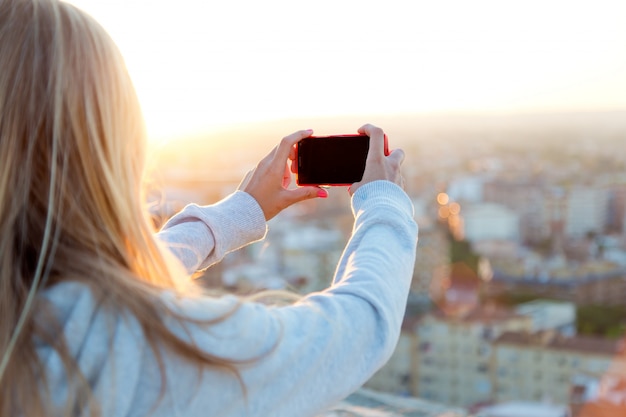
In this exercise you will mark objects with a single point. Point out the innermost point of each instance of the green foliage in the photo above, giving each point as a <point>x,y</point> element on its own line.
<point>544,247</point>
<point>512,299</point>
<point>601,320</point>
<point>461,252</point>
<point>591,320</point>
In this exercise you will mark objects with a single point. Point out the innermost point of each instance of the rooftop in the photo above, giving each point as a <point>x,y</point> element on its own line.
<point>484,314</point>
<point>368,403</point>
<point>584,344</point>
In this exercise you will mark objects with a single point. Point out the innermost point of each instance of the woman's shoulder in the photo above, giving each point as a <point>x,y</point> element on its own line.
<point>67,296</point>
<point>85,319</point>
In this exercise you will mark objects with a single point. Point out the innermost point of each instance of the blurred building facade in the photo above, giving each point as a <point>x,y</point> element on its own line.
<point>491,355</point>
<point>490,221</point>
<point>593,283</point>
<point>549,367</point>
<point>454,354</point>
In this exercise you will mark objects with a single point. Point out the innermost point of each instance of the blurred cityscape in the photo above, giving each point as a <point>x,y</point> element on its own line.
<point>518,297</point>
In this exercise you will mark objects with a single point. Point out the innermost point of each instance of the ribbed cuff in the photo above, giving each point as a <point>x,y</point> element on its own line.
<point>381,192</point>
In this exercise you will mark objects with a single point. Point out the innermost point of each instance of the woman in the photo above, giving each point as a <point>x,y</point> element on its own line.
<point>99,319</point>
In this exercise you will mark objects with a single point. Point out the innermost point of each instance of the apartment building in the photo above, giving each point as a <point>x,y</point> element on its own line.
<point>526,198</point>
<point>549,367</point>
<point>597,282</point>
<point>432,258</point>
<point>398,374</point>
<point>558,316</point>
<point>586,210</point>
<point>490,355</point>
<point>310,254</point>
<point>454,354</point>
<point>490,221</point>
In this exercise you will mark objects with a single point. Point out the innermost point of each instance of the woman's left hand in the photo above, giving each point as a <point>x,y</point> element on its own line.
<point>268,183</point>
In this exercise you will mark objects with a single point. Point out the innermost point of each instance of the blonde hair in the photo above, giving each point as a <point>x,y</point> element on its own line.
<point>72,144</point>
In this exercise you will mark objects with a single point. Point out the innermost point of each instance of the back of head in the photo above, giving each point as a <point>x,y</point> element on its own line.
<point>71,132</point>
<point>71,159</point>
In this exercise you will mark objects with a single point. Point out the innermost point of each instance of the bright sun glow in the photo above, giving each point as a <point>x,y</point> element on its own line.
<point>200,64</point>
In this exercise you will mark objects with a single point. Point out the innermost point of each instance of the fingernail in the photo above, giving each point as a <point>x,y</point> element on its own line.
<point>322,193</point>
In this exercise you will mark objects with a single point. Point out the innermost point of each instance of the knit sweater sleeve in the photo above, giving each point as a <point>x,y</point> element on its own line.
<point>200,236</point>
<point>298,360</point>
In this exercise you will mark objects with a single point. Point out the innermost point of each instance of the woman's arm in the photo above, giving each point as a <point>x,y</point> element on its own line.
<point>307,356</point>
<point>300,359</point>
<point>201,236</point>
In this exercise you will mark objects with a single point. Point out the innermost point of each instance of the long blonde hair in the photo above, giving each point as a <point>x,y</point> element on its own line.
<point>72,144</point>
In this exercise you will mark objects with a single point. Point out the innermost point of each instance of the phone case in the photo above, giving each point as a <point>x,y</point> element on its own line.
<point>386,152</point>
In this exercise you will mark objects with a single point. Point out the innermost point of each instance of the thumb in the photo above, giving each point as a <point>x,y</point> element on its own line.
<point>306,193</point>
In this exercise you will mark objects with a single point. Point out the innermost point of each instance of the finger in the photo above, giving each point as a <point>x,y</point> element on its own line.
<point>292,160</point>
<point>377,139</point>
<point>286,176</point>
<point>292,153</point>
<point>285,146</point>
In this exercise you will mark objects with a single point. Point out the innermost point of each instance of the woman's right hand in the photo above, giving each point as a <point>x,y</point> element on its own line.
<point>378,166</point>
<point>269,182</point>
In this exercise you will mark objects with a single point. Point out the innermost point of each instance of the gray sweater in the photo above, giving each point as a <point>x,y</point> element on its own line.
<point>312,354</point>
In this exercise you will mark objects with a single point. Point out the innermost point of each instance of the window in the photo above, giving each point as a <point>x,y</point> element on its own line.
<point>487,333</point>
<point>424,347</point>
<point>483,350</point>
<point>428,360</point>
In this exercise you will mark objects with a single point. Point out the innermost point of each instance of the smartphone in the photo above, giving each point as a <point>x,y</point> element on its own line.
<point>332,160</point>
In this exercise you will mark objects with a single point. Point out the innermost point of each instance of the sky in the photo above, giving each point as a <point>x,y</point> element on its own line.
<point>200,65</point>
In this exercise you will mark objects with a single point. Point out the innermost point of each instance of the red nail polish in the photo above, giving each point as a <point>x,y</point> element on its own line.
<point>322,193</point>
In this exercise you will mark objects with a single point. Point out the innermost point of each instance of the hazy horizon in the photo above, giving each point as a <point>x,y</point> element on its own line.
<point>399,126</point>
<point>203,65</point>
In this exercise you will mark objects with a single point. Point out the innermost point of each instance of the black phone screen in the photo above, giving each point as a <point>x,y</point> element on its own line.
<point>332,160</point>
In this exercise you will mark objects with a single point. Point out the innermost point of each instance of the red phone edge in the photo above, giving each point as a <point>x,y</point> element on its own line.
<point>386,151</point>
